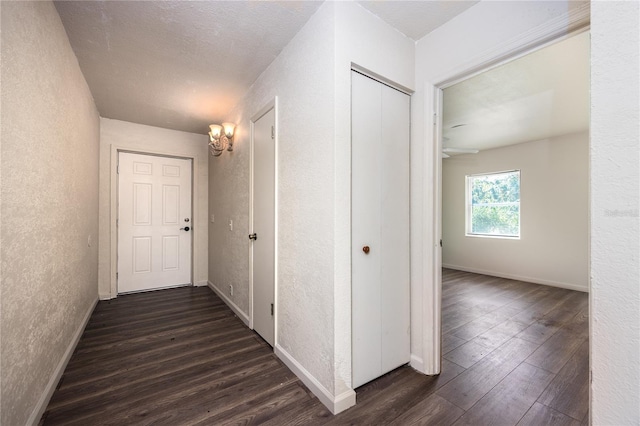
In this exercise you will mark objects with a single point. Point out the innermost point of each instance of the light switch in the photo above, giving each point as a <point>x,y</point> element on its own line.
<point>230,225</point>
<point>213,218</point>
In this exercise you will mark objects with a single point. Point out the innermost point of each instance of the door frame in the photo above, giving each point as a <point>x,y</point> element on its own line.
<point>115,151</point>
<point>271,105</point>
<point>507,51</point>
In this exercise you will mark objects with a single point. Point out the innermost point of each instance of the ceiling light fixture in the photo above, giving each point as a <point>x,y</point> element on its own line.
<point>221,138</point>
<point>446,151</point>
<point>460,150</point>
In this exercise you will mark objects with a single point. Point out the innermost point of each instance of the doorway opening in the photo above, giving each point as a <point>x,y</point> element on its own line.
<point>527,117</point>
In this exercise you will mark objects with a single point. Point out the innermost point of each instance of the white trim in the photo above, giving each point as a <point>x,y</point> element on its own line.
<point>416,363</point>
<point>251,187</point>
<point>272,105</point>
<point>381,79</point>
<point>433,308</point>
<point>114,150</point>
<point>344,401</point>
<point>235,308</point>
<point>335,404</point>
<point>41,406</point>
<point>564,26</point>
<point>275,219</point>
<point>201,283</point>
<point>571,23</point>
<point>524,278</point>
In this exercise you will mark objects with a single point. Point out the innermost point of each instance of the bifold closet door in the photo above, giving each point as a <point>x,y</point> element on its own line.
<point>380,228</point>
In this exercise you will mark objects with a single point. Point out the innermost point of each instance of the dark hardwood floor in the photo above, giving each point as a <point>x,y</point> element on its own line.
<point>514,353</point>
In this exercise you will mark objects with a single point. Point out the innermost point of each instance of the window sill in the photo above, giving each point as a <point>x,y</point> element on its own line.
<point>498,237</point>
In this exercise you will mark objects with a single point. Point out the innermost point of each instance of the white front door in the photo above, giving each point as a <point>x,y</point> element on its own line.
<point>380,229</point>
<point>263,226</point>
<point>154,222</point>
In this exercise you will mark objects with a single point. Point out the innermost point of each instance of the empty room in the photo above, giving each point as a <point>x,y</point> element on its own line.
<point>515,234</point>
<point>236,212</point>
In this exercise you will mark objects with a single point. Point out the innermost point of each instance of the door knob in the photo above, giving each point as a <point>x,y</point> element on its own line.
<point>366,249</point>
<point>186,228</point>
<point>253,236</point>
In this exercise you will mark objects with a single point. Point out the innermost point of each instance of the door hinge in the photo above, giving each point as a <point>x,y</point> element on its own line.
<point>117,222</point>
<point>272,309</point>
<point>116,276</point>
<point>440,242</point>
<point>435,118</point>
<point>273,132</point>
<point>118,169</point>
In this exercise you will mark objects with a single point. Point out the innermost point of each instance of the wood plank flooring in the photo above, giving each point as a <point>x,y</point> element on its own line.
<point>514,353</point>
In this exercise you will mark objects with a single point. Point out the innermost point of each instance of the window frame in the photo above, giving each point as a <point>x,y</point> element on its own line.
<point>469,206</point>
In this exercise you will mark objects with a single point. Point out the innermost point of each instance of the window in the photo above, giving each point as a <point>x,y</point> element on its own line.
<point>493,204</point>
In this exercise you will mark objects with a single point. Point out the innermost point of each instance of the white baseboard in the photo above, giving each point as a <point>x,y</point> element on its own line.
<point>201,283</point>
<point>345,400</point>
<point>335,404</point>
<point>105,296</point>
<point>235,308</point>
<point>417,363</point>
<point>41,406</point>
<point>519,278</point>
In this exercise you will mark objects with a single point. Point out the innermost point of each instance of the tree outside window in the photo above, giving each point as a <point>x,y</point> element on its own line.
<point>493,204</point>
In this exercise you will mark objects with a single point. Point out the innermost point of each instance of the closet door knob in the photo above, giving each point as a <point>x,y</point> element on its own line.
<point>366,249</point>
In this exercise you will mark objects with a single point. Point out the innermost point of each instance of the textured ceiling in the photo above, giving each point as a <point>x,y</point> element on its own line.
<point>177,64</point>
<point>415,19</point>
<point>185,64</point>
<point>538,96</point>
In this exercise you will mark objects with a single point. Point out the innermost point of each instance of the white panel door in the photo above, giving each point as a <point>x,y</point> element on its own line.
<point>263,227</point>
<point>154,222</point>
<point>380,229</point>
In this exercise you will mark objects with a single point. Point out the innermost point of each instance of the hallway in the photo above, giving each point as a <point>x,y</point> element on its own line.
<point>514,353</point>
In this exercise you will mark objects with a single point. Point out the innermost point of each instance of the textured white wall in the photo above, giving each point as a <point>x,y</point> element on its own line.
<point>50,132</point>
<point>615,206</point>
<point>554,244</point>
<point>302,78</point>
<point>365,41</point>
<point>229,200</point>
<point>116,134</point>
<point>311,78</point>
<point>477,37</point>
